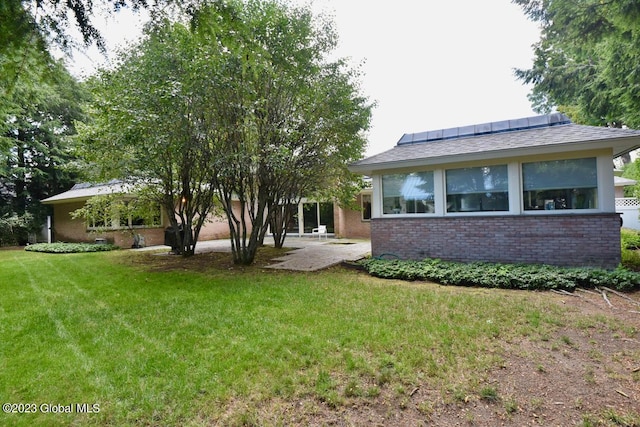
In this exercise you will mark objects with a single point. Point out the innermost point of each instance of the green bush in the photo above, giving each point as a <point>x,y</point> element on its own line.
<point>630,239</point>
<point>631,259</point>
<point>14,229</point>
<point>505,276</point>
<point>68,248</point>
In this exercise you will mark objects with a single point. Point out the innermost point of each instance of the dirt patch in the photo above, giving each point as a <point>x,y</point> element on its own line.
<point>580,376</point>
<point>203,262</point>
<point>585,376</point>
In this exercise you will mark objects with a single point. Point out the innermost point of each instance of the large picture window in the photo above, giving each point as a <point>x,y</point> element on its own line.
<point>560,184</point>
<point>478,189</point>
<point>408,193</point>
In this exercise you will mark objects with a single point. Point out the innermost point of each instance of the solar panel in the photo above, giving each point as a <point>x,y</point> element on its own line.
<point>525,123</point>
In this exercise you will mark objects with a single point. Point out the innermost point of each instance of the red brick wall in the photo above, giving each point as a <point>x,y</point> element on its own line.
<point>349,223</point>
<point>567,240</point>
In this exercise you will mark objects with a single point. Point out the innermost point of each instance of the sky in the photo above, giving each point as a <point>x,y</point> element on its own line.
<point>427,64</point>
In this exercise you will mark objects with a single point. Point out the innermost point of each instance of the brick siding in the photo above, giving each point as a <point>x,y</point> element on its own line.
<point>565,240</point>
<point>349,223</point>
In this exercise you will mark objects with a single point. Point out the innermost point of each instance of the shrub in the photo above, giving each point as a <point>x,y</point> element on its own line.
<point>505,276</point>
<point>14,229</point>
<point>630,239</point>
<point>630,243</point>
<point>68,248</point>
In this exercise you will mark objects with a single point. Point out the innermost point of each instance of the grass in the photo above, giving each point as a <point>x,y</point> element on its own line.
<point>163,345</point>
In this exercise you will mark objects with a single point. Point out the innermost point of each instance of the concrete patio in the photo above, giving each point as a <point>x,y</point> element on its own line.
<point>307,253</point>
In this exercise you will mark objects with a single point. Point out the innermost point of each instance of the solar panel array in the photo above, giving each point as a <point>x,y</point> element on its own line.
<point>534,122</point>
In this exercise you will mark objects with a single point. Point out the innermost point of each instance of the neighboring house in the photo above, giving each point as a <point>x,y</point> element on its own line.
<point>340,222</point>
<point>620,182</point>
<point>532,190</point>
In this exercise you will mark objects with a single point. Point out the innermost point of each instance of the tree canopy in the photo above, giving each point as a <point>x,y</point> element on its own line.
<point>586,62</point>
<point>36,153</point>
<point>241,103</point>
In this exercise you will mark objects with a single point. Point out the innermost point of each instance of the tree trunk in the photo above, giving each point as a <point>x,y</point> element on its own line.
<point>282,215</point>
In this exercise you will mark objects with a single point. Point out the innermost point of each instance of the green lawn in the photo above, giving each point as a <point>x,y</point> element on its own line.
<point>158,346</point>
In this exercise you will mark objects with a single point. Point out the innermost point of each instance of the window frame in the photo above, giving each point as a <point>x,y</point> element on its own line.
<point>407,214</point>
<point>477,212</point>
<point>605,199</point>
<point>364,210</point>
<point>600,203</point>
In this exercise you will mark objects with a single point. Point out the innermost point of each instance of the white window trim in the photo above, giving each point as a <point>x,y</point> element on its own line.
<point>606,199</point>
<point>603,168</point>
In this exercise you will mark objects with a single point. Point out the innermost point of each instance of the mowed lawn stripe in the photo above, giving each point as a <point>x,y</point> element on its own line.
<point>91,293</point>
<point>176,345</point>
<point>61,360</point>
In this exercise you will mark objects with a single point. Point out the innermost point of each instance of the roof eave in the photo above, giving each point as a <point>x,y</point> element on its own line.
<point>57,201</point>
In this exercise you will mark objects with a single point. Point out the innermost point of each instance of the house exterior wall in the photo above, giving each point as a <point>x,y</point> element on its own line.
<point>564,240</point>
<point>66,229</point>
<point>576,237</point>
<point>349,223</point>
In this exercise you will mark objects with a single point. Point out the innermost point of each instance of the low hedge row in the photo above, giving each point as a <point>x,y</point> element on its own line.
<point>69,248</point>
<point>505,276</point>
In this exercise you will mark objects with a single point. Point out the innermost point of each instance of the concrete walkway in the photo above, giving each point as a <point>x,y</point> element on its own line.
<point>307,254</point>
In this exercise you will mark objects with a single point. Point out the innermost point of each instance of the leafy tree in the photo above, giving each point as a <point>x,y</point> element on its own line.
<point>127,208</point>
<point>31,29</point>
<point>147,126</point>
<point>241,105</point>
<point>36,159</point>
<point>586,62</point>
<point>284,121</point>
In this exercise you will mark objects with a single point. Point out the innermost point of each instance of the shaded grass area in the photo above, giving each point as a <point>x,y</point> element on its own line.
<point>154,343</point>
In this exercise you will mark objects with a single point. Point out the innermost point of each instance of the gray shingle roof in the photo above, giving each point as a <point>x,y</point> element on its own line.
<point>84,191</point>
<point>563,137</point>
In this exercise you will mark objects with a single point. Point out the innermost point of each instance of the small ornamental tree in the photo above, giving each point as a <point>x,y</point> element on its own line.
<point>284,121</point>
<point>147,123</point>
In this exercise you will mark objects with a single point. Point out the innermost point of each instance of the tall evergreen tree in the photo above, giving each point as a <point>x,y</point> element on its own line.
<point>587,60</point>
<point>37,154</point>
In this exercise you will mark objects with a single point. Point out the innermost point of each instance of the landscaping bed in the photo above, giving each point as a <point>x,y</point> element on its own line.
<point>70,248</point>
<point>504,276</point>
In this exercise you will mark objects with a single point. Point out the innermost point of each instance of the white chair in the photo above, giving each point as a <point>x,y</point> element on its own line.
<point>320,231</point>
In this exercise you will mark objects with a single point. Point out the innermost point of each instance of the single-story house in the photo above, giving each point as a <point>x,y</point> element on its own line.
<point>340,222</point>
<point>532,190</point>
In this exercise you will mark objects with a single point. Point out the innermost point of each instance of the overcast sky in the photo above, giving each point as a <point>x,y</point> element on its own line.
<point>427,64</point>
